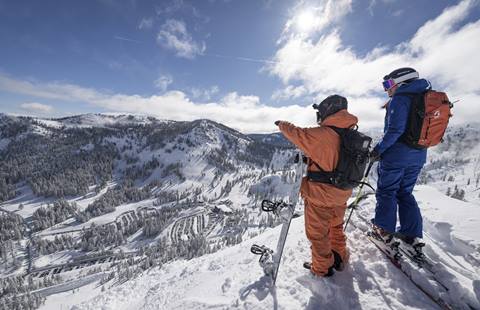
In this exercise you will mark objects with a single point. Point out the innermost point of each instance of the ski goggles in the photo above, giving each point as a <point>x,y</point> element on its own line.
<point>388,84</point>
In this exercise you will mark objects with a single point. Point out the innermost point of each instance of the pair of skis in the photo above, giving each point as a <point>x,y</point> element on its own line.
<point>405,261</point>
<point>269,259</point>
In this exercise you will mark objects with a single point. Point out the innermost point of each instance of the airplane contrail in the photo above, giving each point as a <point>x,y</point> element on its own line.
<point>126,39</point>
<point>265,61</point>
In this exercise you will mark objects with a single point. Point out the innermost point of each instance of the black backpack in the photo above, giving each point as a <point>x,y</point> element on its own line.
<point>352,162</point>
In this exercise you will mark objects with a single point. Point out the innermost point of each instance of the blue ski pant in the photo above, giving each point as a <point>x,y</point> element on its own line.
<point>394,192</point>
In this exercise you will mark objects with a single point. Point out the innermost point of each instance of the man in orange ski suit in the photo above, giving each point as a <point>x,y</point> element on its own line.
<point>325,204</point>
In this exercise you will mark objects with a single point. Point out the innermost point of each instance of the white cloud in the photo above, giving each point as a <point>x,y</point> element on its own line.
<point>36,107</point>
<point>205,94</point>
<point>163,82</point>
<point>442,50</point>
<point>245,113</point>
<point>146,23</point>
<point>289,92</point>
<point>51,90</point>
<point>173,35</point>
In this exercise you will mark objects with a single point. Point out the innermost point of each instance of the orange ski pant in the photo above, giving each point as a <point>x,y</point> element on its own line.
<point>324,229</point>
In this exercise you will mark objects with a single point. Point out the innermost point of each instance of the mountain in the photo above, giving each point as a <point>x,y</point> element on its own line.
<point>92,201</point>
<point>92,191</point>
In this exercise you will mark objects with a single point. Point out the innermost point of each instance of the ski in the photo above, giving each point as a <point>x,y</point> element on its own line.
<point>399,262</point>
<point>269,259</point>
<point>401,259</point>
<point>423,263</point>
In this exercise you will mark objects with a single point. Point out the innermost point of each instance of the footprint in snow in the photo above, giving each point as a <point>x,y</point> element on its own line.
<point>226,285</point>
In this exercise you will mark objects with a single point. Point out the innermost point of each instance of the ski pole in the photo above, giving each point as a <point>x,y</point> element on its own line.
<point>359,194</point>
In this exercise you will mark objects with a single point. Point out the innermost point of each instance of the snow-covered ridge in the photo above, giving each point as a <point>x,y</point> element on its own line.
<point>100,120</point>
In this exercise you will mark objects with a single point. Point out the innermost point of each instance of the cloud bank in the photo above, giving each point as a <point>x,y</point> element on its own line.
<point>36,107</point>
<point>442,50</point>
<point>244,113</point>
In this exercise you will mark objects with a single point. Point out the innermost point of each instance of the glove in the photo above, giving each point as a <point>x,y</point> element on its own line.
<point>277,123</point>
<point>374,156</point>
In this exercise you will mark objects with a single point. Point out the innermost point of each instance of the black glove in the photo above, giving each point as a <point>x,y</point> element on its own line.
<point>374,155</point>
<point>277,123</point>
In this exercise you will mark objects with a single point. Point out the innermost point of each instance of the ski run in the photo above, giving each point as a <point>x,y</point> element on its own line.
<point>232,278</point>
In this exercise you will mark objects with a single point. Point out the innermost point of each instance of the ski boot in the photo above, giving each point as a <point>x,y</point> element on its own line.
<point>413,246</point>
<point>330,272</point>
<point>339,264</point>
<point>387,241</point>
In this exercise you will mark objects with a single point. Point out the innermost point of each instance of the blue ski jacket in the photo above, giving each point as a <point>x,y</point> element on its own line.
<point>390,148</point>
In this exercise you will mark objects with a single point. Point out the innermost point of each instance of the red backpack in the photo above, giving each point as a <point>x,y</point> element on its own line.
<point>428,118</point>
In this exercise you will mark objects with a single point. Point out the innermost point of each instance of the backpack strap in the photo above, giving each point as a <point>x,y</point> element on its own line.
<point>321,175</point>
<point>412,95</point>
<point>411,133</point>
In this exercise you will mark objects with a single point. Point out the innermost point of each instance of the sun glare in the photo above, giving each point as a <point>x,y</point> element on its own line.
<point>305,21</point>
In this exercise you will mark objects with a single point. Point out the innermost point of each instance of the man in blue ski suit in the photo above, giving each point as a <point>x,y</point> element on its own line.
<point>399,164</point>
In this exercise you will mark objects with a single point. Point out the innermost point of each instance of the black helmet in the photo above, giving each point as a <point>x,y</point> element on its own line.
<point>330,105</point>
<point>402,75</point>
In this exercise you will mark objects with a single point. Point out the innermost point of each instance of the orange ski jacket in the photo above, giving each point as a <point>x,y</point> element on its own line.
<point>321,145</point>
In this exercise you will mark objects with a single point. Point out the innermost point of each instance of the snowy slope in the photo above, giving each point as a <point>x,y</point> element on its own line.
<point>230,278</point>
<point>451,235</point>
<point>215,281</point>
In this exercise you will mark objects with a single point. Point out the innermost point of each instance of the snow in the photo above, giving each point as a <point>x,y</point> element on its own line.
<point>31,202</point>
<point>450,218</point>
<point>49,123</point>
<point>64,296</point>
<point>105,120</point>
<point>53,259</point>
<point>451,235</point>
<point>216,281</point>
<point>224,208</point>
<point>28,199</point>
<point>231,278</point>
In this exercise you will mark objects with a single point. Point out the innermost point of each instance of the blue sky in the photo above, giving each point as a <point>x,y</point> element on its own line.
<point>244,63</point>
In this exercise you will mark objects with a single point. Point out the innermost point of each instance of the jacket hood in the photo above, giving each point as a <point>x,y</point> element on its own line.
<point>341,119</point>
<point>416,86</point>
